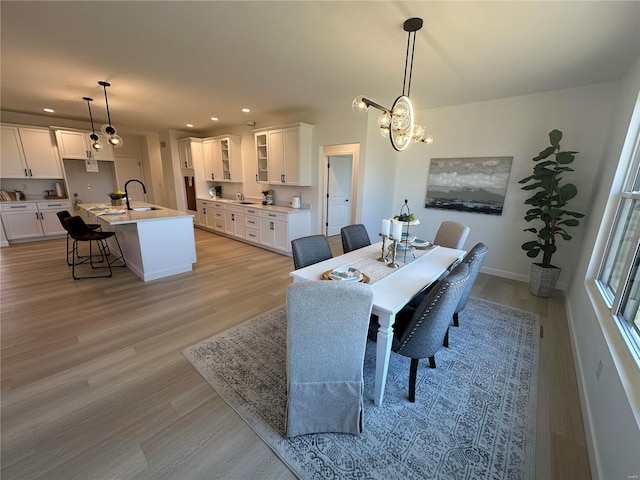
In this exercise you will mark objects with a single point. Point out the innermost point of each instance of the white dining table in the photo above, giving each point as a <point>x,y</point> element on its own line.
<point>391,292</point>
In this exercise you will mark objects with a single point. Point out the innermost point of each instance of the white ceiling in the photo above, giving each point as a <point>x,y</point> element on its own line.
<point>172,63</point>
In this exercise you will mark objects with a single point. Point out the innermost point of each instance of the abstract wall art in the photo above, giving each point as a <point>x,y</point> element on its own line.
<point>477,184</point>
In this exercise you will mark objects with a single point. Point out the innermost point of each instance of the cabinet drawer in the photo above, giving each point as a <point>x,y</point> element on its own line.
<point>251,211</point>
<point>282,217</point>
<point>218,205</point>
<point>218,214</point>
<point>253,234</point>
<point>252,221</point>
<point>57,206</point>
<point>18,207</point>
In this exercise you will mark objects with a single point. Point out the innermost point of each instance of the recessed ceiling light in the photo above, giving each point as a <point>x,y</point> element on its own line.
<point>215,119</point>
<point>190,125</point>
<point>49,110</point>
<point>246,110</point>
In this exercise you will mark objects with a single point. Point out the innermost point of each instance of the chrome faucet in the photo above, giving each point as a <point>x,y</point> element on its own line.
<point>126,194</point>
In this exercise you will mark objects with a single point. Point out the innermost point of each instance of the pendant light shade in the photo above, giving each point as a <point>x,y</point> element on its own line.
<point>109,130</point>
<point>398,122</point>
<point>95,144</point>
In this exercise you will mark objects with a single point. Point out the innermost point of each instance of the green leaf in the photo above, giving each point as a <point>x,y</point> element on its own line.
<point>544,154</point>
<point>531,230</point>
<point>533,253</point>
<point>530,245</point>
<point>525,180</point>
<point>565,157</point>
<point>568,191</point>
<point>554,137</point>
<point>570,222</point>
<point>566,236</point>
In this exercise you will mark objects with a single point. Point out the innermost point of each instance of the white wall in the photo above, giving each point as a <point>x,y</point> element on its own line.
<point>517,127</point>
<point>611,404</point>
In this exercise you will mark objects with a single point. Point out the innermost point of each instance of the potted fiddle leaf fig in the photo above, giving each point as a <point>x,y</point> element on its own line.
<point>548,207</point>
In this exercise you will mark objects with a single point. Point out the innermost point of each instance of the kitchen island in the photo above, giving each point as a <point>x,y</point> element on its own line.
<point>157,242</point>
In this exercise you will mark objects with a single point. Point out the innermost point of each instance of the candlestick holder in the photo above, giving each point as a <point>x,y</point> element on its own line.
<point>383,256</point>
<point>393,263</point>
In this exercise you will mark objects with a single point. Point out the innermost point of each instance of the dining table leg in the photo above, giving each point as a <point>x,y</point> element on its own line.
<point>383,352</point>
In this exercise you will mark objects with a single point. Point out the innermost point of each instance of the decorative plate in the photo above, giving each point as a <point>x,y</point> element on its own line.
<point>363,277</point>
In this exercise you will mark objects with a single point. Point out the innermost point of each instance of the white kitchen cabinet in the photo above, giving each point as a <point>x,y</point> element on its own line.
<point>190,152</point>
<point>222,159</point>
<point>218,223</point>
<point>32,219</point>
<point>262,157</point>
<point>288,154</point>
<point>29,153</point>
<point>203,207</point>
<point>274,230</point>
<point>234,221</point>
<point>252,224</point>
<point>76,145</point>
<point>212,160</point>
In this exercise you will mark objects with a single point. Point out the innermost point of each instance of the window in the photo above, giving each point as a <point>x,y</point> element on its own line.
<point>619,275</point>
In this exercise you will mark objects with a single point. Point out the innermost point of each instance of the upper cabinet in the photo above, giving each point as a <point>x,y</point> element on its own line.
<point>262,157</point>
<point>190,151</point>
<point>287,156</point>
<point>29,153</point>
<point>222,159</point>
<point>76,145</point>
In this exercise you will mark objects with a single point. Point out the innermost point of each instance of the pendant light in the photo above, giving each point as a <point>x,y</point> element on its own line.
<point>398,122</point>
<point>94,137</point>
<point>112,137</point>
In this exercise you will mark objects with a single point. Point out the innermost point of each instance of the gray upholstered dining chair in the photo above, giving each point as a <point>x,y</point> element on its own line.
<point>420,333</point>
<point>474,258</point>
<point>451,234</point>
<point>327,325</point>
<point>309,250</point>
<point>354,237</point>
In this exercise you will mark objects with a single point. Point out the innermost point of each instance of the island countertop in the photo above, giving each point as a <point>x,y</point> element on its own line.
<point>155,212</point>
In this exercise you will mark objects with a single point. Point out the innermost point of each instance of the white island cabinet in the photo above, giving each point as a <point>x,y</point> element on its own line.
<point>156,243</point>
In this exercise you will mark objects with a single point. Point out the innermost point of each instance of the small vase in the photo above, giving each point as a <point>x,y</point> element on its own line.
<point>117,202</point>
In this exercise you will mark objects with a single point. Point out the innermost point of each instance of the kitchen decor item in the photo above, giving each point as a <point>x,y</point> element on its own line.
<point>212,192</point>
<point>295,202</point>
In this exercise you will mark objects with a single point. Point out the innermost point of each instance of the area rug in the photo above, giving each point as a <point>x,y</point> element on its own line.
<point>474,415</point>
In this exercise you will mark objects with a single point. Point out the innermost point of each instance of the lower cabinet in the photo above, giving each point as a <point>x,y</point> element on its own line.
<point>234,221</point>
<point>252,224</point>
<point>217,214</point>
<point>266,228</point>
<point>274,230</point>
<point>32,219</point>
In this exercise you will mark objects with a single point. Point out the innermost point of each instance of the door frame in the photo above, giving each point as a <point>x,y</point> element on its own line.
<point>352,149</point>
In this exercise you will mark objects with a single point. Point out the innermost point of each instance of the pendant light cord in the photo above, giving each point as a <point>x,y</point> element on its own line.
<point>87,99</point>
<point>407,91</point>
<point>106,101</point>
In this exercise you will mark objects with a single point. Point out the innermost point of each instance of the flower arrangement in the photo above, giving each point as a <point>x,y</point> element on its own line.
<point>117,195</point>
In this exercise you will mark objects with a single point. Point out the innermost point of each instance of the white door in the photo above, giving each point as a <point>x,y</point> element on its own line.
<point>128,168</point>
<point>339,183</point>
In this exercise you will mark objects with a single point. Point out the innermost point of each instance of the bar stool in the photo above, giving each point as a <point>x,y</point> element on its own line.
<point>65,214</point>
<point>80,232</point>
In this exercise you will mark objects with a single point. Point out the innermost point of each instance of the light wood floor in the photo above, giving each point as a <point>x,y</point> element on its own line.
<point>94,385</point>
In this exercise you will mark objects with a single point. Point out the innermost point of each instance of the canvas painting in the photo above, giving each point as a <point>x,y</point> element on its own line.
<point>468,184</point>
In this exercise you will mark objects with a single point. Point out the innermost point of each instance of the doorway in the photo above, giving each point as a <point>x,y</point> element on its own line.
<point>341,172</point>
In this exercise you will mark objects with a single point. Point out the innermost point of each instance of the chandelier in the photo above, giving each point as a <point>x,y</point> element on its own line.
<point>112,136</point>
<point>398,122</point>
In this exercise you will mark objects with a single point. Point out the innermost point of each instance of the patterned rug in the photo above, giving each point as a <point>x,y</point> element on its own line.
<point>474,415</point>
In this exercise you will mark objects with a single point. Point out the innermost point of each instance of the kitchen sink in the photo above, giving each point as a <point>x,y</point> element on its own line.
<point>246,203</point>
<point>144,208</point>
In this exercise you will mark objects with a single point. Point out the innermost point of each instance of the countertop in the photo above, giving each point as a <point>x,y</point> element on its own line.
<point>132,216</point>
<point>258,205</point>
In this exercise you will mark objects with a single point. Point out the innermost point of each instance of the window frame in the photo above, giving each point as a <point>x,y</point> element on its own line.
<point>616,302</point>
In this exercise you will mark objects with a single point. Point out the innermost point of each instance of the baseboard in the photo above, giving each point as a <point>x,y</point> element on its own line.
<point>516,276</point>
